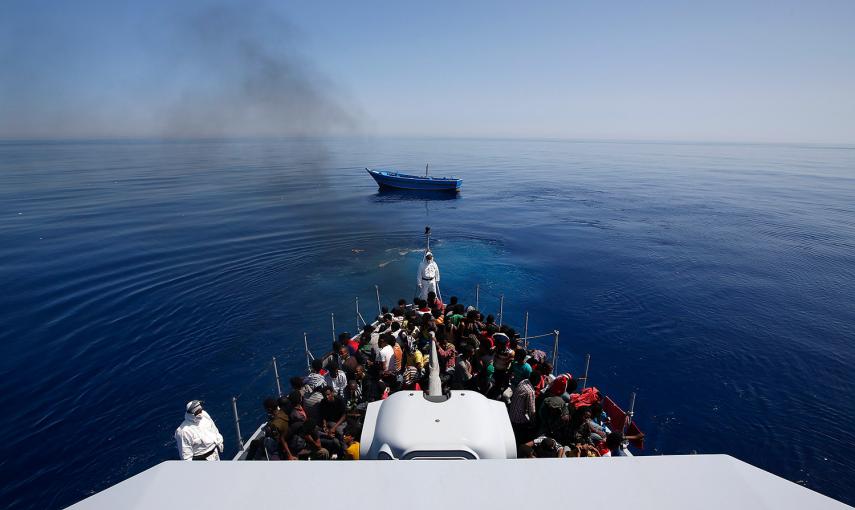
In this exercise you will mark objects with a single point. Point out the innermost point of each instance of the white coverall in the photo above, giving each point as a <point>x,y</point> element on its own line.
<point>428,277</point>
<point>197,437</point>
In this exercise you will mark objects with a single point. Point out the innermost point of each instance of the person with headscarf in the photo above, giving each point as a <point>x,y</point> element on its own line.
<point>197,436</point>
<point>428,276</point>
<point>562,386</point>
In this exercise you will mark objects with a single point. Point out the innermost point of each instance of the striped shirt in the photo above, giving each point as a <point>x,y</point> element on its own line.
<point>522,403</point>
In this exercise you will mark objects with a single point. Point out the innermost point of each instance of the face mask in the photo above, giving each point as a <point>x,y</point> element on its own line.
<point>197,418</point>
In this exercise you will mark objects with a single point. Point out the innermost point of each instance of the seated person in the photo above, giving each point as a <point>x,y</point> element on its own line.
<point>524,451</point>
<point>401,309</point>
<point>315,379</point>
<point>562,386</point>
<point>433,302</point>
<point>450,307</point>
<point>546,447</point>
<point>298,415</point>
<point>581,450</point>
<point>578,429</point>
<point>423,306</point>
<point>276,430</point>
<point>330,440</point>
<point>353,395</point>
<point>306,443</point>
<point>333,411</point>
<point>351,446</point>
<point>520,369</point>
<point>615,443</point>
<point>411,379</point>
<point>335,378</point>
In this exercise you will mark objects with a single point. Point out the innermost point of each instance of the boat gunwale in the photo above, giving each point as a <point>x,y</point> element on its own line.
<point>398,175</point>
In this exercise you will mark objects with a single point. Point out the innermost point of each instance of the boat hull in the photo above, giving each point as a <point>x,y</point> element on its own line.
<point>396,180</point>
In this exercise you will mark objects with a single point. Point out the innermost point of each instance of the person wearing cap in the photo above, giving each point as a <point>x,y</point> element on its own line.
<point>428,276</point>
<point>197,437</point>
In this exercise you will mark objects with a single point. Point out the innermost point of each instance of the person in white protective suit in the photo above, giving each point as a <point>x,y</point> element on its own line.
<point>197,436</point>
<point>428,277</point>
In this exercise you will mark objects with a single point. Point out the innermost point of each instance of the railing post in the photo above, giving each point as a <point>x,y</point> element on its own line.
<point>308,356</point>
<point>525,332</point>
<point>501,308</point>
<point>630,413</point>
<point>555,352</point>
<point>379,308</point>
<point>237,422</point>
<point>587,365</point>
<point>276,373</point>
<point>477,291</point>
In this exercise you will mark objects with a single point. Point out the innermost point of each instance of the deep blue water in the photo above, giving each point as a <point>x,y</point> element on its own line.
<point>716,281</point>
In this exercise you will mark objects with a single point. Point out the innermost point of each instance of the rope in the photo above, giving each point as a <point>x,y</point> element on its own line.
<point>532,337</point>
<point>483,292</point>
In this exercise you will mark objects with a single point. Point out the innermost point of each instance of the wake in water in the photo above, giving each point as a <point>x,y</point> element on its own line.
<point>402,253</point>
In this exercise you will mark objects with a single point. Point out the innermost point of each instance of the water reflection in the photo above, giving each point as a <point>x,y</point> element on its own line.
<point>384,195</point>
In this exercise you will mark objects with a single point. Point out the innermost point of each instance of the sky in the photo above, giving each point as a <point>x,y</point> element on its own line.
<point>762,71</point>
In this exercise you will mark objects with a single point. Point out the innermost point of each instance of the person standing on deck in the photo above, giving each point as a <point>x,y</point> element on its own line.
<point>197,436</point>
<point>522,409</point>
<point>428,276</point>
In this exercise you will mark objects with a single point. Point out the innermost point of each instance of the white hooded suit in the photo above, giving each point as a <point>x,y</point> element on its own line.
<point>198,437</point>
<point>428,277</point>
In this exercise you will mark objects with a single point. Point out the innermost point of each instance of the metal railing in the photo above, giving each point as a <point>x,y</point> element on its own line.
<point>525,339</point>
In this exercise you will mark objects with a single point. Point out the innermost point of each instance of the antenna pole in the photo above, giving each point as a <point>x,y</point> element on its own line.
<point>501,308</point>
<point>434,383</point>
<point>555,352</point>
<point>276,373</point>
<point>237,422</point>
<point>426,169</point>
<point>357,313</point>
<point>332,318</point>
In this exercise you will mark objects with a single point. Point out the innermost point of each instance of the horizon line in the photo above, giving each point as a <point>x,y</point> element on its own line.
<point>245,138</point>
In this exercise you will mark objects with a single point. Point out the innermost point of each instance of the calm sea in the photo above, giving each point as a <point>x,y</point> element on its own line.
<point>715,281</point>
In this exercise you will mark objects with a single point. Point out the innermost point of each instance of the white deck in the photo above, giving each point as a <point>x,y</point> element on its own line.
<point>712,482</point>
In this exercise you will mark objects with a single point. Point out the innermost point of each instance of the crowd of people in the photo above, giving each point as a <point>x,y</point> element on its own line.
<point>321,416</point>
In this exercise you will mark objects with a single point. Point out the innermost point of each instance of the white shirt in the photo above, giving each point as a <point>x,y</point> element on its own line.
<point>314,381</point>
<point>385,356</point>
<point>196,438</point>
<point>338,383</point>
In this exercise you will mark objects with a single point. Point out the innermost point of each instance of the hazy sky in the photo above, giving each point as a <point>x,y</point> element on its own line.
<point>713,71</point>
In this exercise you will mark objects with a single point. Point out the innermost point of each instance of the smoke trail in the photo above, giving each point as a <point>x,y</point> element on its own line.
<point>241,74</point>
<point>182,70</point>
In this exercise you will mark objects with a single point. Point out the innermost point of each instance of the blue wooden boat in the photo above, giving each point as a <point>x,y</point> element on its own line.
<point>389,179</point>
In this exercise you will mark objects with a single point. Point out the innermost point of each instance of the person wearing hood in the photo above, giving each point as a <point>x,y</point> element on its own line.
<point>197,437</point>
<point>428,276</point>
